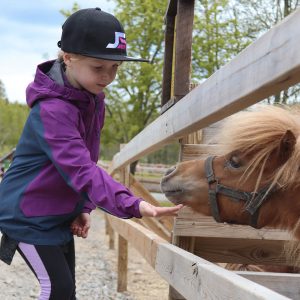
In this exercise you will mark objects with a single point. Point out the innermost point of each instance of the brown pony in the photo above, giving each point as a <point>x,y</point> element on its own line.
<point>255,182</point>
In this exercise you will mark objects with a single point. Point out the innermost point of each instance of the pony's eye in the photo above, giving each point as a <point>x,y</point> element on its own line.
<point>234,162</point>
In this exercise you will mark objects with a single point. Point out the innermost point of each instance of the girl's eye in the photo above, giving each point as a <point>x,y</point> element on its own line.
<point>98,68</point>
<point>234,162</point>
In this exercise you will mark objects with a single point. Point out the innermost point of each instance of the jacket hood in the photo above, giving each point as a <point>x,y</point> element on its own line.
<point>50,82</point>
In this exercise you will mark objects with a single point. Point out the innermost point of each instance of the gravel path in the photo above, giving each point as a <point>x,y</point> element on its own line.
<point>95,272</point>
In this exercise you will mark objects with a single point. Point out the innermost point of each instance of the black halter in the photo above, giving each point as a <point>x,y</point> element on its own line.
<point>253,200</point>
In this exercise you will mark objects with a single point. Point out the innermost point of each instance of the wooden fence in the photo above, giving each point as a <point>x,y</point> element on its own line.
<point>267,66</point>
<point>193,277</point>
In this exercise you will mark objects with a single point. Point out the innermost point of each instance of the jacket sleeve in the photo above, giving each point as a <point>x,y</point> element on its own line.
<point>55,124</point>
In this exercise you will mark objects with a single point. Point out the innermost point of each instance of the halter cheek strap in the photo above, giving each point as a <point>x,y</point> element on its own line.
<point>252,200</point>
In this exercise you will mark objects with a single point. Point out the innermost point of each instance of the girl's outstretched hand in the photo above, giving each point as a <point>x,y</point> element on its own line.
<point>81,225</point>
<point>149,210</point>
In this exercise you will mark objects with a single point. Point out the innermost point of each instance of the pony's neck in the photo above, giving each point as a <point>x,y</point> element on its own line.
<point>282,211</point>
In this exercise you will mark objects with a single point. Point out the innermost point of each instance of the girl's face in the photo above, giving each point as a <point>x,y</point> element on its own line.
<point>91,74</point>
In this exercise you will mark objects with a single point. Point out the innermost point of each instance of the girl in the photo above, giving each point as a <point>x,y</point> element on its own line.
<point>53,182</point>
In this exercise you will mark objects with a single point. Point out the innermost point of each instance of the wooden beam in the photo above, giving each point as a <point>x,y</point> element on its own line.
<point>267,66</point>
<point>241,251</point>
<point>122,264</point>
<point>282,283</point>
<point>152,185</point>
<point>183,47</point>
<point>196,278</point>
<point>168,60</point>
<point>189,223</point>
<point>111,234</point>
<point>137,188</point>
<point>222,242</point>
<point>172,8</point>
<point>156,227</point>
<point>192,276</point>
<point>142,239</point>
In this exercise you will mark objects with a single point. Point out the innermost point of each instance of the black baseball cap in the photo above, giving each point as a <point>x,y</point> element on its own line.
<point>95,33</point>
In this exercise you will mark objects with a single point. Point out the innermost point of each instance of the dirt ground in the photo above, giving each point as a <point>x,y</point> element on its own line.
<point>96,275</point>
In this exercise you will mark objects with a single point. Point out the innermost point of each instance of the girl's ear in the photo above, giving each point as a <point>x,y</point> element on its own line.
<point>67,58</point>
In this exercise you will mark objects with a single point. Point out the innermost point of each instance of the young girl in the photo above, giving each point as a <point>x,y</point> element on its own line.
<point>54,182</point>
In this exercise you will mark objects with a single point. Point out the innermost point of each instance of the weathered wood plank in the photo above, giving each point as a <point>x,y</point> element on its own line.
<point>171,8</point>
<point>152,185</point>
<point>140,191</point>
<point>122,264</point>
<point>156,227</point>
<point>267,66</point>
<point>193,277</point>
<point>196,278</point>
<point>242,251</point>
<point>144,240</point>
<point>222,242</point>
<point>190,223</point>
<point>111,234</point>
<point>282,283</point>
<point>183,47</point>
<point>168,59</point>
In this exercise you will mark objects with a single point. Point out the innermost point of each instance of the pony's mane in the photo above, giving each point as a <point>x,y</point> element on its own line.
<point>257,134</point>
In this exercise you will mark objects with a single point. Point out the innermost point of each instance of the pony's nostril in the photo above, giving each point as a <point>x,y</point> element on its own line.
<point>169,171</point>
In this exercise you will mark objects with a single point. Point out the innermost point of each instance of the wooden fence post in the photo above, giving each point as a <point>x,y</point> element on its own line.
<point>123,245</point>
<point>111,234</point>
<point>122,264</point>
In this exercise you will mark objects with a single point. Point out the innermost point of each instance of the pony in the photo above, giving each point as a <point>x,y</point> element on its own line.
<point>254,181</point>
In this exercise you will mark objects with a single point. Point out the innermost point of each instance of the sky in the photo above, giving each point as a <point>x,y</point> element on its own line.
<point>29,32</point>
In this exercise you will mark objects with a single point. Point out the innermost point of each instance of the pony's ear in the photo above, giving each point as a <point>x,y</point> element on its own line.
<point>287,146</point>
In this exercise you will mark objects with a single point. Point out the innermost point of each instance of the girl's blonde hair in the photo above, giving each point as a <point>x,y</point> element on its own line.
<point>61,53</point>
<point>60,56</point>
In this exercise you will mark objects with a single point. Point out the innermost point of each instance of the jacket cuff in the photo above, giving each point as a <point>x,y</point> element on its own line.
<point>135,208</point>
<point>88,207</point>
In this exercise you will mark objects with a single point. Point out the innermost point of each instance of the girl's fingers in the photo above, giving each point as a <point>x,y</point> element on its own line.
<point>161,211</point>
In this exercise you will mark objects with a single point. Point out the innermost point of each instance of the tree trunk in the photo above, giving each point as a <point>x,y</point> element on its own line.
<point>287,7</point>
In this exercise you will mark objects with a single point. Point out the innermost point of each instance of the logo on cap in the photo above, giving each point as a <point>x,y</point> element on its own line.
<point>120,41</point>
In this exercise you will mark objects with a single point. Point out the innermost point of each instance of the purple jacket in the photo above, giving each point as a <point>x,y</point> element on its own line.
<point>54,175</point>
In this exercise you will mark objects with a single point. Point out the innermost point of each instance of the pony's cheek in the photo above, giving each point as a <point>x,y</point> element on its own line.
<point>195,195</point>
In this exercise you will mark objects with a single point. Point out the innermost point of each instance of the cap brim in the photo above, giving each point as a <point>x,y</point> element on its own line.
<point>117,57</point>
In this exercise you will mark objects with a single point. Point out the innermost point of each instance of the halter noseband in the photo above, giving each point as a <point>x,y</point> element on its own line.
<point>253,200</point>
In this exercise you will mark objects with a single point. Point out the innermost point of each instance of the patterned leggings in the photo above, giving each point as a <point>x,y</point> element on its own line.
<point>54,267</point>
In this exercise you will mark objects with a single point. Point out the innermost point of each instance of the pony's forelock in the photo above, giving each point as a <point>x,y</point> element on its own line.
<point>257,134</point>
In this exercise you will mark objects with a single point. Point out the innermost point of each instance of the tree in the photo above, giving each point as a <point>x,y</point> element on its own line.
<point>217,37</point>
<point>13,117</point>
<point>258,16</point>
<point>3,96</point>
<point>134,98</point>
<point>261,15</point>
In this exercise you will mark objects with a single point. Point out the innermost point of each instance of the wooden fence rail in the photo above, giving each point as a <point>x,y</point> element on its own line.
<point>192,276</point>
